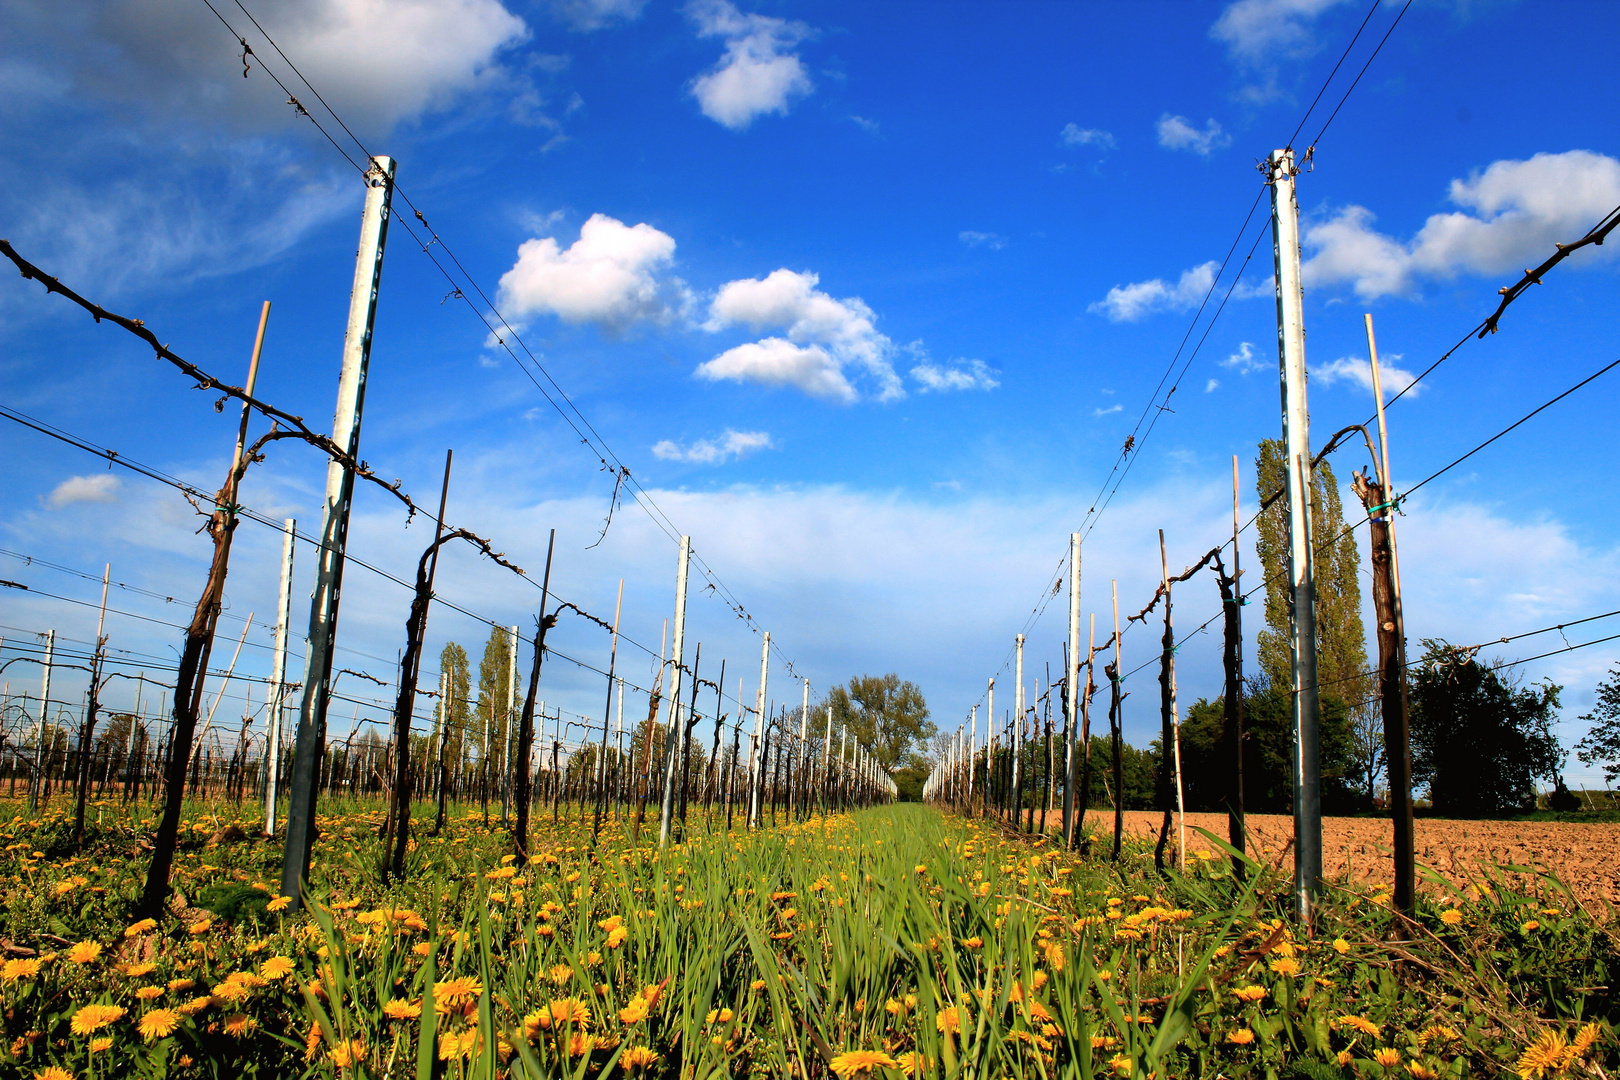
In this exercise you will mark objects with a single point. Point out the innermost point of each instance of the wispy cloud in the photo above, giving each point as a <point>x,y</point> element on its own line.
<point>956,375</point>
<point>1099,411</point>
<point>727,446</point>
<point>1075,135</point>
<point>973,239</point>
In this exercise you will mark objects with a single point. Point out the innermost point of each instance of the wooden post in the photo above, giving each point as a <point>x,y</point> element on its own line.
<point>525,746</point>
<point>1379,498</point>
<point>1232,603</point>
<point>1085,730</point>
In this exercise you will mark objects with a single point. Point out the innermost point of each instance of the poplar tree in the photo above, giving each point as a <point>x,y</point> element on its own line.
<point>494,699</point>
<point>1341,639</point>
<point>453,661</point>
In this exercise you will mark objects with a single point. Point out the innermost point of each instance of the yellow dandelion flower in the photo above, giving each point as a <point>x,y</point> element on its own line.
<point>1584,1040</point>
<point>277,967</point>
<point>279,903</point>
<point>949,1020</point>
<point>1249,993</point>
<point>142,927</point>
<point>1387,1056</point>
<point>149,993</point>
<point>158,1024</point>
<point>139,971</point>
<point>570,1011</point>
<point>103,1043</point>
<point>1548,1054</point>
<point>1241,1037</point>
<point>634,1012</point>
<point>636,1058</point>
<point>1529,926</point>
<point>1341,946</point>
<point>1121,1064</point>
<point>52,1072</point>
<point>177,985</point>
<point>1451,917</point>
<point>85,952</point>
<point>92,1018</point>
<point>238,1025</point>
<point>852,1062</point>
<point>1285,967</point>
<point>1359,1023</point>
<point>402,1010</point>
<point>1421,1071</point>
<point>560,974</point>
<point>457,991</point>
<point>616,937</point>
<point>15,970</point>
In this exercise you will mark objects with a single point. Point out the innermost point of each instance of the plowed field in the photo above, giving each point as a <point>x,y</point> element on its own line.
<point>1585,857</point>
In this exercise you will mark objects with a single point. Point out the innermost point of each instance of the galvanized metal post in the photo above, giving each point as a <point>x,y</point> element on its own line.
<point>1072,686</point>
<point>676,733</point>
<point>759,730</point>
<point>323,610</point>
<point>38,783</point>
<point>1302,581</point>
<point>278,679</point>
<point>1018,731</point>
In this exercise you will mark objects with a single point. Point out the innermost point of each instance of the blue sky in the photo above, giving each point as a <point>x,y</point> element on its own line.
<point>867,297</point>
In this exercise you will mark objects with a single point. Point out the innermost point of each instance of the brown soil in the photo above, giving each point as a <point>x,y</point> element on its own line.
<point>1581,855</point>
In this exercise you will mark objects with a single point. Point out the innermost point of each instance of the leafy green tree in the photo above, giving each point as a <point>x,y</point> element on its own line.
<point>494,697</point>
<point>1268,753</point>
<point>1478,741</point>
<point>453,661</point>
<point>1138,767</point>
<point>1341,641</point>
<point>888,716</point>
<point>1601,744</point>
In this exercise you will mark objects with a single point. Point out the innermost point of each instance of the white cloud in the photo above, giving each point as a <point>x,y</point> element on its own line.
<point>1512,214</point>
<point>1178,133</point>
<point>1111,409</point>
<point>871,127</point>
<point>99,488</point>
<point>588,15</point>
<point>957,375</point>
<point>728,445</point>
<point>972,238</point>
<point>824,335</point>
<point>1355,370</point>
<point>775,362</point>
<point>1127,303</point>
<point>377,64</point>
<point>1244,362</point>
<point>1255,31</point>
<point>759,73</point>
<point>607,276</point>
<point>1212,386</point>
<point>1075,135</point>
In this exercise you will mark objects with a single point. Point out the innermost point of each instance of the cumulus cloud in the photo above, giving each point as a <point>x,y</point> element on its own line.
<point>607,276</point>
<point>1255,31</point>
<point>1354,369</point>
<point>824,336</point>
<point>1511,214</point>
<point>957,375</point>
<point>100,488</point>
<point>775,362</point>
<point>588,15</point>
<point>1075,135</point>
<point>1212,386</point>
<point>1178,133</point>
<point>727,446</point>
<point>759,72</point>
<point>973,238</point>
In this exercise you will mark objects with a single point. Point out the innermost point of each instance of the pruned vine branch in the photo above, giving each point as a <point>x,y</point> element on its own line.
<point>205,381</point>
